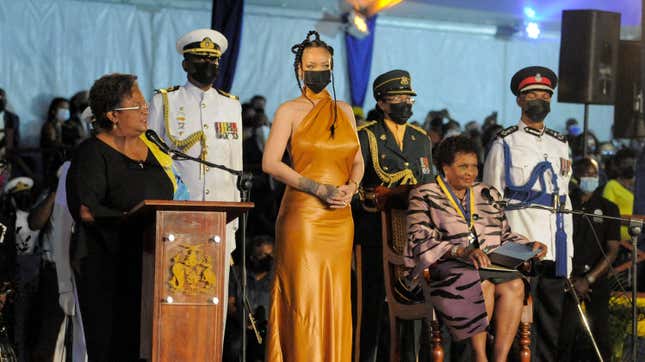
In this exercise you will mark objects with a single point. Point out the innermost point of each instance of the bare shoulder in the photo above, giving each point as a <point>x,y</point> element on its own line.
<point>347,109</point>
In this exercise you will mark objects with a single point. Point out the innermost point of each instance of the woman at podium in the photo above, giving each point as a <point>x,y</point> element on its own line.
<point>310,318</point>
<point>110,173</point>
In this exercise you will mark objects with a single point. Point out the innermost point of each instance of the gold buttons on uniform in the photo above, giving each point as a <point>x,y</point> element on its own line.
<point>206,168</point>
<point>406,164</point>
<point>207,192</point>
<point>383,156</point>
<point>413,138</point>
<point>386,168</point>
<point>383,138</point>
<point>205,126</point>
<point>203,105</point>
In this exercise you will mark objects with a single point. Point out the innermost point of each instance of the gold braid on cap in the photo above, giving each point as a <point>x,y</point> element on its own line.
<point>206,47</point>
<point>187,142</point>
<point>403,177</point>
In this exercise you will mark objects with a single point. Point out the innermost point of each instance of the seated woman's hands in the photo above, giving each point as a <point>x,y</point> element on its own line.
<point>542,247</point>
<point>477,257</point>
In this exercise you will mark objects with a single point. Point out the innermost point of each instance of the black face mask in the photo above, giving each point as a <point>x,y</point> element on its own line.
<point>3,104</point>
<point>537,109</point>
<point>262,265</point>
<point>400,112</point>
<point>317,80</point>
<point>22,200</point>
<point>203,72</point>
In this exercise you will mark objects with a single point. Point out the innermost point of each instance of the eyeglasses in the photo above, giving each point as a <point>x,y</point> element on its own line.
<point>400,99</point>
<point>143,107</point>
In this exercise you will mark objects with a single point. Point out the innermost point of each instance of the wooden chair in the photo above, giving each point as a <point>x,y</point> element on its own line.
<point>393,204</point>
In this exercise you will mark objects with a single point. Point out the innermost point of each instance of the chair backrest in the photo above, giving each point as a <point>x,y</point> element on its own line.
<point>403,302</point>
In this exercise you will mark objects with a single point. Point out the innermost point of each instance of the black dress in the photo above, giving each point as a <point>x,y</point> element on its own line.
<point>109,253</point>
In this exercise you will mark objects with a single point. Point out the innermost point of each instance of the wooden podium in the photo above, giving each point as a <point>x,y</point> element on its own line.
<point>184,264</point>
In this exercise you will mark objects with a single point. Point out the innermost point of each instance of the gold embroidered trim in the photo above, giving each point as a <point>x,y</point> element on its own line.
<point>187,142</point>
<point>403,177</point>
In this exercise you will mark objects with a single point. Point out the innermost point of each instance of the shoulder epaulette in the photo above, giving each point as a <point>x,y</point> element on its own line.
<point>555,135</point>
<point>227,94</point>
<point>419,129</point>
<point>366,124</point>
<point>167,90</point>
<point>507,131</point>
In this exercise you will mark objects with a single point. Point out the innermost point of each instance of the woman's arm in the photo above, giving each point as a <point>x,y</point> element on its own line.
<point>273,165</point>
<point>424,246</point>
<point>358,165</point>
<point>87,186</point>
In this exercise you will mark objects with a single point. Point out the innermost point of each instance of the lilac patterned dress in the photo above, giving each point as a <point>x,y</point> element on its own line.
<point>434,227</point>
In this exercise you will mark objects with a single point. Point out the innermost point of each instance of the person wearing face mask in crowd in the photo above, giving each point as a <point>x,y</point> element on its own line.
<point>395,153</point>
<point>203,122</point>
<point>51,138</point>
<point>620,187</point>
<point>596,243</point>
<point>311,317</point>
<point>529,164</point>
<point>75,130</point>
<point>27,268</point>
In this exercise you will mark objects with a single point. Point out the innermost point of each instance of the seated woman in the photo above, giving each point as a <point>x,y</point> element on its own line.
<point>452,225</point>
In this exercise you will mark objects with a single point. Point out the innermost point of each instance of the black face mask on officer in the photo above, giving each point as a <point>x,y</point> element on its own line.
<point>400,112</point>
<point>317,80</point>
<point>537,109</point>
<point>203,71</point>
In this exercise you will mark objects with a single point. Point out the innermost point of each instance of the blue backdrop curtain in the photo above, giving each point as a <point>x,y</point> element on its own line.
<point>227,19</point>
<point>359,63</point>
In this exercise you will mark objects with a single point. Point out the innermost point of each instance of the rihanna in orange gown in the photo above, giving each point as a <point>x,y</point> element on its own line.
<point>310,318</point>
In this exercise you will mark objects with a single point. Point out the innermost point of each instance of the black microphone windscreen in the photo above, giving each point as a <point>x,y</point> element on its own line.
<point>152,136</point>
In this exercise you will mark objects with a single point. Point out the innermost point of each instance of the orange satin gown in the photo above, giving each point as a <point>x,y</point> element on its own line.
<point>311,318</point>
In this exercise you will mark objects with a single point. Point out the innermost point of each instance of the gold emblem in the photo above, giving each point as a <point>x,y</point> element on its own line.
<point>207,43</point>
<point>383,138</point>
<point>538,78</point>
<point>413,138</point>
<point>192,271</point>
<point>405,80</point>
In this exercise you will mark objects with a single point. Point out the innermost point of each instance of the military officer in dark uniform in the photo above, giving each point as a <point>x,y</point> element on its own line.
<point>395,153</point>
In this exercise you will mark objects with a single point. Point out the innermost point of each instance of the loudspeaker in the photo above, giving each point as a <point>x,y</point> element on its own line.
<point>588,56</point>
<point>629,121</point>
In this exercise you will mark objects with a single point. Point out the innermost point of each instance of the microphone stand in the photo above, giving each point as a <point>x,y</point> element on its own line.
<point>635,228</point>
<point>244,184</point>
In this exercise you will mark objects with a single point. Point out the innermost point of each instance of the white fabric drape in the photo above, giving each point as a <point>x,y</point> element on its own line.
<point>57,47</point>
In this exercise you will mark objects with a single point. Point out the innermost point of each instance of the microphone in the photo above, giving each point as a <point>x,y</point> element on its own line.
<point>486,194</point>
<point>153,137</point>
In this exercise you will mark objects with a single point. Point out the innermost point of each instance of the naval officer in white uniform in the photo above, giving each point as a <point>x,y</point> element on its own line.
<point>203,122</point>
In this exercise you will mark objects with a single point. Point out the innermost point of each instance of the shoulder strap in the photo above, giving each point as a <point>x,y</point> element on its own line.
<point>228,95</point>
<point>365,125</point>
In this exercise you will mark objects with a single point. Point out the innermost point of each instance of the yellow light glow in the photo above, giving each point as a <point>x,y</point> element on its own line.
<point>371,7</point>
<point>360,24</point>
<point>380,5</point>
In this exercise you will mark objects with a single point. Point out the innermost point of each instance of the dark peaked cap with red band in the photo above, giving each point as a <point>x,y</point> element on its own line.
<point>534,78</point>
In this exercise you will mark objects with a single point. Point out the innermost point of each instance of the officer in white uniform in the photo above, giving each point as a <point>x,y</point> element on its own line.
<point>203,122</point>
<point>530,165</point>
